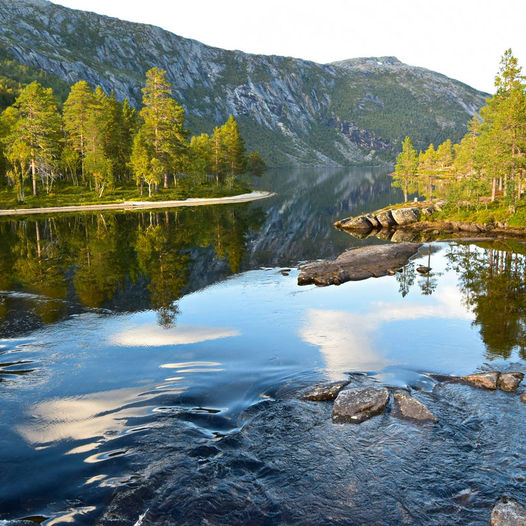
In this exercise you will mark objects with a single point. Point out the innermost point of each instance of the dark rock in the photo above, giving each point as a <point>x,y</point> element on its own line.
<point>482,380</point>
<point>357,264</point>
<point>359,404</point>
<point>385,218</point>
<point>508,512</point>
<point>324,392</point>
<point>510,381</point>
<point>405,406</point>
<point>423,269</point>
<point>405,216</point>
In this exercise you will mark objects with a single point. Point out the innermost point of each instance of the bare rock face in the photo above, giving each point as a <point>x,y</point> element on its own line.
<point>357,264</point>
<point>359,404</point>
<point>324,392</point>
<point>482,380</point>
<point>405,406</point>
<point>509,381</point>
<point>405,216</point>
<point>508,512</point>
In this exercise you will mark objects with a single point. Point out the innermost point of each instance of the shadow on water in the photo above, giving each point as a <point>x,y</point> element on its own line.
<point>151,366</point>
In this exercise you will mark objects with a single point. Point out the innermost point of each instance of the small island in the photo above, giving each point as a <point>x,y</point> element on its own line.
<point>475,186</point>
<point>93,150</point>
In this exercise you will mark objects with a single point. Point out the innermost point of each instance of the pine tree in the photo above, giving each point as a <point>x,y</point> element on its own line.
<point>426,171</point>
<point>234,148</point>
<point>405,168</point>
<point>37,130</point>
<point>163,124</point>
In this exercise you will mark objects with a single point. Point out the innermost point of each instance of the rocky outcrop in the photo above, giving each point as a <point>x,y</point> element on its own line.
<point>301,108</point>
<point>359,404</point>
<point>510,381</point>
<point>357,264</point>
<point>405,216</point>
<point>508,512</point>
<point>324,392</point>
<point>405,406</point>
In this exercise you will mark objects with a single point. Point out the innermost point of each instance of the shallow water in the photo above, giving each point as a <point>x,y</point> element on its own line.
<point>151,367</point>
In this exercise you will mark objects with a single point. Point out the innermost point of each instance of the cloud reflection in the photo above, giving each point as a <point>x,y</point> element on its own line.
<point>347,339</point>
<point>153,336</point>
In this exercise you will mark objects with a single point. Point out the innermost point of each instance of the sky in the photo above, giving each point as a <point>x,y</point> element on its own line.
<point>463,39</point>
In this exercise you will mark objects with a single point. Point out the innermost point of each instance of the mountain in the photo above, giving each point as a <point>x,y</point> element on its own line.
<point>293,111</point>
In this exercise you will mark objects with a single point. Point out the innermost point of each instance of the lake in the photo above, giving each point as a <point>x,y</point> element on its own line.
<point>152,363</point>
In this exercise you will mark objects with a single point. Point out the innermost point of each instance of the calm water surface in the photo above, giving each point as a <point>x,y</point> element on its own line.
<point>150,367</point>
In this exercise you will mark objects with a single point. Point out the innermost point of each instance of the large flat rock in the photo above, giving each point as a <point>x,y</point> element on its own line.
<point>357,264</point>
<point>359,404</point>
<point>407,407</point>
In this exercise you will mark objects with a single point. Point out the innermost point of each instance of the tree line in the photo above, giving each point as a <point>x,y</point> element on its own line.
<point>488,163</point>
<point>98,142</point>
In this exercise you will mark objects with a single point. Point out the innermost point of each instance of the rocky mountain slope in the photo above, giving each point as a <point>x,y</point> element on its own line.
<point>293,111</point>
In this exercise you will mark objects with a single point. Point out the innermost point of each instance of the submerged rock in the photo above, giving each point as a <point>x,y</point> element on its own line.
<point>510,381</point>
<point>357,264</point>
<point>508,512</point>
<point>405,406</point>
<point>482,380</point>
<point>359,404</point>
<point>423,269</point>
<point>324,392</point>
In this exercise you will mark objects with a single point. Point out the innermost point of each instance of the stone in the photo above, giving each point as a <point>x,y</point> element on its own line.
<point>428,211</point>
<point>482,380</point>
<point>405,216</point>
<point>523,397</point>
<point>323,392</point>
<point>405,236</point>
<point>509,381</point>
<point>355,223</point>
<point>372,219</point>
<point>423,269</point>
<point>385,218</point>
<point>405,406</point>
<point>357,264</point>
<point>508,512</point>
<point>359,404</point>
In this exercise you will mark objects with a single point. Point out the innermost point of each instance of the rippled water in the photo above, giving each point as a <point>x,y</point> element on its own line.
<point>151,367</point>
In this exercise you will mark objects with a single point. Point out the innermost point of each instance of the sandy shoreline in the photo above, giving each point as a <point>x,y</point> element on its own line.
<point>139,205</point>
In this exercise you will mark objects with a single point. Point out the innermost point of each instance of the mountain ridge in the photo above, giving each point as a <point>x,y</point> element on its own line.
<point>293,110</point>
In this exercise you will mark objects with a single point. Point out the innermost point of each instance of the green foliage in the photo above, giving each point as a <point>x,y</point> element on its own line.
<point>405,168</point>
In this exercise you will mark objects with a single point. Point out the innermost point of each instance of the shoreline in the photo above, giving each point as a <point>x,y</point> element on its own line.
<point>140,205</point>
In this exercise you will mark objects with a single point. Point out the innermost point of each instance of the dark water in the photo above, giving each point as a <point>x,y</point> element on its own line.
<point>150,366</point>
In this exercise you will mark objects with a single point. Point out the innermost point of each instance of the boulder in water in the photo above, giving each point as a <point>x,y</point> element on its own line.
<point>359,404</point>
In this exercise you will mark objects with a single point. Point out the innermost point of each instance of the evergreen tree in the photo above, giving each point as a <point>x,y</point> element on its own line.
<point>234,148</point>
<point>36,131</point>
<point>405,168</point>
<point>163,124</point>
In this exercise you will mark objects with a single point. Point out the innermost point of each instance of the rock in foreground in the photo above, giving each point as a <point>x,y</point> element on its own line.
<point>510,381</point>
<point>359,404</point>
<point>405,406</point>
<point>508,512</point>
<point>357,264</point>
<point>482,380</point>
<point>321,393</point>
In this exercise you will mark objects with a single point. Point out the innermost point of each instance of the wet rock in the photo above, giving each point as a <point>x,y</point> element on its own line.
<point>405,216</point>
<point>482,380</point>
<point>508,512</point>
<point>385,218</point>
<point>357,264</point>
<point>523,397</point>
<point>359,404</point>
<point>405,406</point>
<point>423,269</point>
<point>355,223</point>
<point>509,381</point>
<point>325,392</point>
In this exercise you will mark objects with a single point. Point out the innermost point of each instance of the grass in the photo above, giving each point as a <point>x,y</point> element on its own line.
<point>77,195</point>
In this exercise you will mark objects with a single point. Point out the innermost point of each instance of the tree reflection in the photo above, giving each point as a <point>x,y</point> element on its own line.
<point>492,280</point>
<point>121,261</point>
